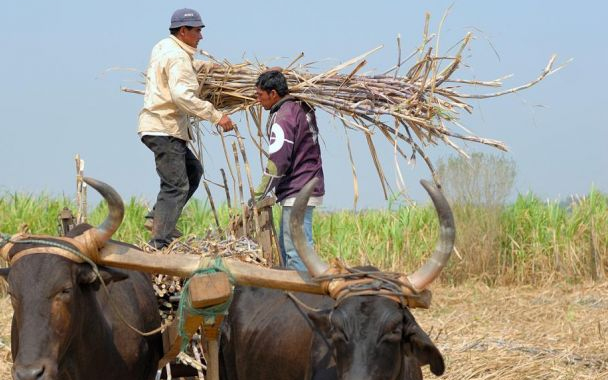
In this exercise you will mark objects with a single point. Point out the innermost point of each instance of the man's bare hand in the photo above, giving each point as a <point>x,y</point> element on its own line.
<point>226,123</point>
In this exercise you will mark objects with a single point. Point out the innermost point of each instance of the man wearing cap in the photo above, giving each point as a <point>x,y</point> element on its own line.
<point>164,122</point>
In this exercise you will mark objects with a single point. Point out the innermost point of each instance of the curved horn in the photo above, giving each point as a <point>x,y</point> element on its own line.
<point>116,209</point>
<point>447,234</point>
<point>313,263</point>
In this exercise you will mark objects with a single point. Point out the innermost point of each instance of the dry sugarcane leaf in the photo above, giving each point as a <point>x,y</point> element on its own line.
<point>425,100</point>
<point>379,170</point>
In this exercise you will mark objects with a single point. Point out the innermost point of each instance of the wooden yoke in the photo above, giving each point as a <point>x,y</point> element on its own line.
<point>125,256</point>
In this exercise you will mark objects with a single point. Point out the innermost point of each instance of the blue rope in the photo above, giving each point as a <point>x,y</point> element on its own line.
<point>209,312</point>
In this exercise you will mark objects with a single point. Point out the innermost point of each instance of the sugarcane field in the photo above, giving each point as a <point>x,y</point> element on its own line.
<point>320,191</point>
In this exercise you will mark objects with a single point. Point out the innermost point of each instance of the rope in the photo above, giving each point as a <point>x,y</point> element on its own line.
<point>185,305</point>
<point>301,303</point>
<point>4,239</point>
<point>95,270</point>
<point>353,273</point>
<point>345,282</point>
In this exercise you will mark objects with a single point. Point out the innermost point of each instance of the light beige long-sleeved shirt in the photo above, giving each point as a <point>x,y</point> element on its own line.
<point>171,88</point>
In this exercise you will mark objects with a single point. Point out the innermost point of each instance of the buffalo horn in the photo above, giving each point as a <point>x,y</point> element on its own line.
<point>316,267</point>
<point>447,234</point>
<point>116,211</point>
<point>419,279</point>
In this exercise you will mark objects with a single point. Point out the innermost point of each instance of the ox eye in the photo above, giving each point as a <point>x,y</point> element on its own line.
<point>65,292</point>
<point>393,335</point>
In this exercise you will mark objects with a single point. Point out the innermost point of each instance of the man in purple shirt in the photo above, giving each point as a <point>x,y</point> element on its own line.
<point>295,157</point>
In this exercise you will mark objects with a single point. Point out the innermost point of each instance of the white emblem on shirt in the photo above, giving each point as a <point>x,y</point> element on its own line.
<point>277,138</point>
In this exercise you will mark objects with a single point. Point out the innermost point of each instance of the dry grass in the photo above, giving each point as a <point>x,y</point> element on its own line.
<point>6,314</point>
<point>520,333</point>
<point>496,333</point>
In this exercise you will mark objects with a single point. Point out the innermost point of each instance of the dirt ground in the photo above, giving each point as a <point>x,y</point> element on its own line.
<point>556,332</point>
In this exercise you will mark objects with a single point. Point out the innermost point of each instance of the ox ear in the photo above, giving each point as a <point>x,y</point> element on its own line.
<point>422,348</point>
<point>86,276</point>
<point>4,273</point>
<point>320,320</point>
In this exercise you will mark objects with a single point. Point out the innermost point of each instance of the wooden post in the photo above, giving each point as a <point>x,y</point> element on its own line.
<point>212,332</point>
<point>66,221</point>
<point>172,341</point>
<point>81,192</point>
<point>204,291</point>
<point>266,236</point>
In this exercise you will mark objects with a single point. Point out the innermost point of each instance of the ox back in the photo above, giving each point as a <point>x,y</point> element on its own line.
<point>64,327</point>
<point>267,335</point>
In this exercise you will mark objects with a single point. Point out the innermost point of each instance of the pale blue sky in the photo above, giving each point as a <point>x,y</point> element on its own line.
<point>58,100</point>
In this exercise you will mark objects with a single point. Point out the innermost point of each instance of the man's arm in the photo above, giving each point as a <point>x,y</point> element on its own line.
<point>281,149</point>
<point>183,86</point>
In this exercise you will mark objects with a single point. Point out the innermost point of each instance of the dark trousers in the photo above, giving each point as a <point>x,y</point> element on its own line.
<point>180,173</point>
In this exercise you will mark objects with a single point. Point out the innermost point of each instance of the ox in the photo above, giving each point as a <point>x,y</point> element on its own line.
<point>64,327</point>
<point>363,334</point>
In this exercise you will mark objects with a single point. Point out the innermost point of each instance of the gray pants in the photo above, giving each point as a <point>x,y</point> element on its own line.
<point>180,173</point>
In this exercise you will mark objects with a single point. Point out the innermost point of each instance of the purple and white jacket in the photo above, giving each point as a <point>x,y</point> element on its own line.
<point>294,149</point>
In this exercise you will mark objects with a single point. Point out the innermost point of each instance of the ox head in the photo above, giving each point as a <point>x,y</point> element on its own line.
<point>51,295</point>
<point>372,334</point>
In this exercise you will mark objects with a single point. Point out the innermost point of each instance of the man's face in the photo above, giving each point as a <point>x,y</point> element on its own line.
<point>267,98</point>
<point>190,36</point>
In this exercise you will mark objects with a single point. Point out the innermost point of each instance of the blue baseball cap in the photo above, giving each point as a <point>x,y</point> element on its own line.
<point>186,17</point>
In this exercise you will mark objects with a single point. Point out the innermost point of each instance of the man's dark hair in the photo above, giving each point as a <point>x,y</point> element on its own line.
<point>273,80</point>
<point>174,31</point>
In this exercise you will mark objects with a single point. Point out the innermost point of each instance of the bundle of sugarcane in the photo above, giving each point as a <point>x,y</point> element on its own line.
<point>417,108</point>
<point>422,104</point>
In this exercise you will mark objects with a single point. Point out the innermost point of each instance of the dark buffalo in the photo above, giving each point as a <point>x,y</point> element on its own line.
<point>270,335</point>
<point>63,324</point>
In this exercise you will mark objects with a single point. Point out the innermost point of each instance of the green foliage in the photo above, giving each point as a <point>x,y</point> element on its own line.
<point>528,241</point>
<point>563,240</point>
<point>38,213</point>
<point>387,239</point>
